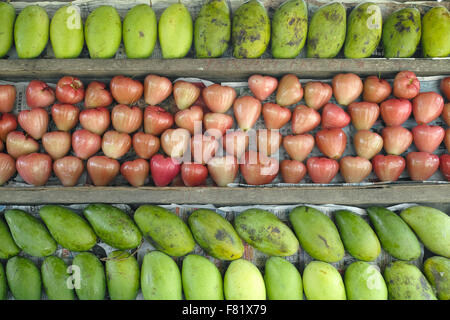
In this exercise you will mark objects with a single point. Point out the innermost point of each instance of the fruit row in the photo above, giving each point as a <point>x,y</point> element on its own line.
<point>160,278</point>
<point>203,142</point>
<point>249,31</point>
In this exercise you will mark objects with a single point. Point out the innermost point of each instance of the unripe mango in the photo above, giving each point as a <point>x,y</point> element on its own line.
<point>92,284</point>
<point>321,281</point>
<point>8,247</point>
<point>364,281</point>
<point>3,284</point>
<point>7,18</point>
<point>436,33</point>
<point>437,271</point>
<point>54,278</point>
<point>24,279</point>
<point>66,32</point>
<point>122,276</point>
<point>282,280</point>
<point>243,281</point>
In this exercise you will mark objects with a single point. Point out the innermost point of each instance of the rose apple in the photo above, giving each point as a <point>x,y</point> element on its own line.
<point>275,116</point>
<point>156,89</point>
<point>85,143</point>
<point>34,122</point>
<point>7,97</point>
<point>69,90</point>
<point>258,169</point>
<point>145,145</point>
<point>193,174</point>
<point>331,142</point>
<point>39,95</point>
<point>126,119</point>
<point>34,168</point>
<point>292,171</point>
<point>126,90</point>
<point>304,119</point>
<point>347,87</point>
<point>322,170</point>
<point>95,120</point>
<point>317,94</point>
<point>406,85</point>
<point>65,116</point>
<point>388,168</point>
<point>395,111</point>
<point>156,120</point>
<point>219,98</point>
<point>289,90</point>
<point>97,95</point>
<point>262,86</point>
<point>102,170</point>
<point>8,123</point>
<point>135,172</point>
<point>376,90</point>
<point>246,111</point>
<point>18,144</point>
<point>68,170</point>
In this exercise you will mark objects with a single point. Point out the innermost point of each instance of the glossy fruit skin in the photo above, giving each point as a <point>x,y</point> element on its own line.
<point>163,170</point>
<point>97,95</point>
<point>258,169</point>
<point>223,170</point>
<point>376,90</point>
<point>427,106</point>
<point>275,116</point>
<point>298,146</point>
<point>317,94</point>
<point>334,117</point>
<point>406,85</point>
<point>102,170</point>
<point>95,120</point>
<point>156,89</point>
<point>145,145</point>
<point>69,90</point>
<point>246,111</point>
<point>388,168</point>
<point>292,171</point>
<point>157,120</point>
<point>85,143</point>
<point>7,97</point>
<point>34,168</point>
<point>331,142</point>
<point>8,123</point>
<point>289,90</point>
<point>7,168</point>
<point>396,140</point>
<point>268,141</point>
<point>444,166</point>
<point>190,119</point>
<point>421,165</point>
<point>262,86</point>
<point>126,119</point>
<point>445,87</point>
<point>57,143</point>
<point>395,111</point>
<point>354,169</point>
<point>136,171</point>
<point>185,94</point>
<point>68,170</point>
<point>193,174</point>
<point>65,116</point>
<point>322,170</point>
<point>304,119</point>
<point>18,144</point>
<point>427,138</point>
<point>347,87</point>
<point>39,94</point>
<point>115,144</point>
<point>363,114</point>
<point>34,122</point>
<point>219,98</point>
<point>203,148</point>
<point>126,90</point>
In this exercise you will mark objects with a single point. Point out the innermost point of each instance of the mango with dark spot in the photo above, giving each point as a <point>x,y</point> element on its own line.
<point>282,279</point>
<point>264,231</point>
<point>363,281</point>
<point>139,32</point>
<point>322,281</point>
<point>406,282</point>
<point>251,30</point>
<point>7,18</point>
<point>215,235</point>
<point>165,230</point>
<point>401,33</point>
<point>317,234</point>
<point>212,29</point>
<point>437,271</point>
<point>394,234</point>
<point>326,33</point>
<point>363,31</point>
<point>436,33</point>
<point>289,29</point>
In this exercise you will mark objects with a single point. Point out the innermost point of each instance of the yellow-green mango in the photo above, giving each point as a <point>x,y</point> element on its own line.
<point>264,231</point>
<point>176,31</point>
<point>282,279</point>
<point>432,226</point>
<point>201,279</point>
<point>326,32</point>
<point>289,29</point>
<point>401,33</point>
<point>8,247</point>
<point>3,283</point>
<point>165,230</point>
<point>317,234</point>
<point>436,33</point>
<point>31,32</point>
<point>68,228</point>
<point>55,279</point>
<point>321,281</point>
<point>122,276</point>
<point>358,237</point>
<point>363,31</point>
<point>212,29</point>
<point>66,32</point>
<point>113,226</point>
<point>437,271</point>
<point>29,233</point>
<point>243,281</point>
<point>406,282</point>
<point>364,281</point>
<point>91,274</point>
<point>215,235</point>
<point>140,32</point>
<point>103,32</point>
<point>394,234</point>
<point>160,277</point>
<point>24,279</point>
<point>7,18</point>
<point>250,34</point>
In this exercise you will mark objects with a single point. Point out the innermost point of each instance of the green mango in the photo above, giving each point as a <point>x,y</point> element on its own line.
<point>165,230</point>
<point>358,237</point>
<point>103,32</point>
<point>160,277</point>
<point>394,234</point>
<point>437,271</point>
<point>24,279</point>
<point>212,29</point>
<point>29,233</point>
<point>3,283</point>
<point>264,231</point>
<point>321,281</point>
<point>406,282</point>
<point>175,31</point>
<point>243,281</point>
<point>55,279</point>
<point>436,33</point>
<point>317,234</point>
<point>113,226</point>
<point>431,226</point>
<point>122,276</point>
<point>7,18</point>
<point>282,280</point>
<point>31,32</point>
<point>140,32</point>
<point>401,33</point>
<point>364,281</point>
<point>91,274</point>
<point>66,32</point>
<point>289,29</point>
<point>8,247</point>
<point>68,229</point>
<point>250,34</point>
<point>215,235</point>
<point>326,33</point>
<point>201,279</point>
<point>363,31</point>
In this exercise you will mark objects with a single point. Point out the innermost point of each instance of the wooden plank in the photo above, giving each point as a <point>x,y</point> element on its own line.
<point>378,194</point>
<point>216,69</point>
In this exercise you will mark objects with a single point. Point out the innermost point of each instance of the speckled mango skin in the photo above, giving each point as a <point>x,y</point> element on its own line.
<point>437,271</point>
<point>401,33</point>
<point>212,29</point>
<point>363,31</point>
<point>436,33</point>
<point>326,33</point>
<point>289,29</point>
<point>7,18</point>
<point>250,33</point>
